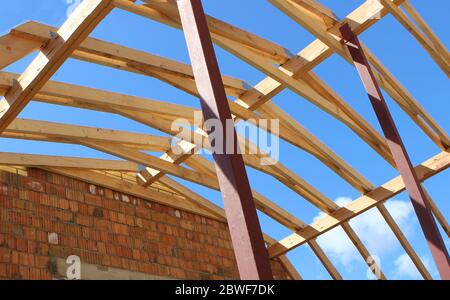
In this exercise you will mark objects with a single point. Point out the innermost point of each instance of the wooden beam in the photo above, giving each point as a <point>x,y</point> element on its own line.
<point>82,21</point>
<point>426,29</point>
<point>116,56</point>
<point>381,194</point>
<point>386,80</point>
<point>51,131</point>
<point>33,160</point>
<point>15,48</point>
<point>319,11</point>
<point>69,94</point>
<point>423,40</point>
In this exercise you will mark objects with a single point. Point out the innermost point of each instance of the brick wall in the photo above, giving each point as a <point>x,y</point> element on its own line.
<point>46,217</point>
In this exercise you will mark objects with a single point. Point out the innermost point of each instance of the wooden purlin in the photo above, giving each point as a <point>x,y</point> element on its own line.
<point>51,131</point>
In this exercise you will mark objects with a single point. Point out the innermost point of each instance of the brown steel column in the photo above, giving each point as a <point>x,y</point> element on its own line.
<point>398,150</point>
<point>249,248</point>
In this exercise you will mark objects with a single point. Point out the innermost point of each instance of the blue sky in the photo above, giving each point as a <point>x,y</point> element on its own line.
<point>392,44</point>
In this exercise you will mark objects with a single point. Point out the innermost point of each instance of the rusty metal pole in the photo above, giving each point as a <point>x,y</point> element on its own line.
<point>249,247</point>
<point>398,150</point>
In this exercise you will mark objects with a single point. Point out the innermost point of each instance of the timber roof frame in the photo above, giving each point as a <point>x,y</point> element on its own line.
<point>284,70</point>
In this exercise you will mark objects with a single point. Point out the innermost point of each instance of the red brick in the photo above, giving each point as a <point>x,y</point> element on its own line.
<point>177,273</point>
<point>42,261</point>
<point>93,200</point>
<point>74,195</point>
<point>109,194</point>
<point>119,228</point>
<point>35,185</point>
<point>84,220</point>
<point>24,273</point>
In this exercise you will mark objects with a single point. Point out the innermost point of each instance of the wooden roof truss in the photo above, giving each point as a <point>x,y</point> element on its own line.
<point>284,70</point>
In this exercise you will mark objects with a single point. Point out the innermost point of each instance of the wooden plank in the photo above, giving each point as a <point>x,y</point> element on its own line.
<point>51,131</point>
<point>387,81</point>
<point>14,48</point>
<point>82,21</point>
<point>388,190</point>
<point>423,40</point>
<point>33,160</point>
<point>68,94</point>
<point>437,43</point>
<point>117,56</point>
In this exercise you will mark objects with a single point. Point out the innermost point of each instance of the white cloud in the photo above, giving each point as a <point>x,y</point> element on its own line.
<point>405,269</point>
<point>372,230</point>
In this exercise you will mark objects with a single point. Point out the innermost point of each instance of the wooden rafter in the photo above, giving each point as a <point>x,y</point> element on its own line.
<point>29,37</point>
<point>441,56</point>
<point>32,160</point>
<point>55,132</point>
